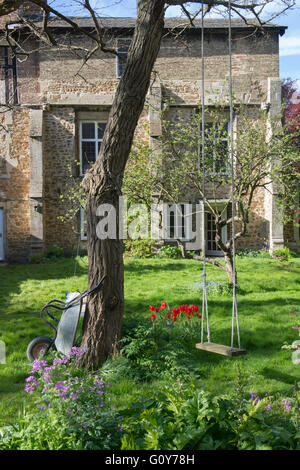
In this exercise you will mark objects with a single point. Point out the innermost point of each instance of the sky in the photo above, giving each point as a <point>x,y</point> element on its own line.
<point>289,43</point>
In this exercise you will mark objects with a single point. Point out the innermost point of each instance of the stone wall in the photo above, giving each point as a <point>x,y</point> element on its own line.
<point>53,81</point>
<point>14,183</point>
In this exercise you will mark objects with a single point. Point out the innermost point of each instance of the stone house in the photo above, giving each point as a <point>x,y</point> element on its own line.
<point>54,110</point>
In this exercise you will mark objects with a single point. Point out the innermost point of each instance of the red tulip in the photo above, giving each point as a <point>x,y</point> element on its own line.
<point>151,308</point>
<point>168,316</point>
<point>153,317</point>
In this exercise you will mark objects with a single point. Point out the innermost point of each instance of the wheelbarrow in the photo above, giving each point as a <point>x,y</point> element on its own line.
<point>65,328</point>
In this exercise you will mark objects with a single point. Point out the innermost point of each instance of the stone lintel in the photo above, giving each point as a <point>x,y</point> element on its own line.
<point>86,99</point>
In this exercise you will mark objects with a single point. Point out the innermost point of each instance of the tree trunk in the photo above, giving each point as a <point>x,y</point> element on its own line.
<point>228,255</point>
<point>103,325</point>
<point>229,266</point>
<point>181,245</point>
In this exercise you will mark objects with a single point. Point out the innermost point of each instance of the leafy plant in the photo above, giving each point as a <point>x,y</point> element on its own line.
<point>184,417</point>
<point>138,248</point>
<point>247,252</point>
<point>168,251</point>
<point>73,410</point>
<point>215,287</point>
<point>283,253</point>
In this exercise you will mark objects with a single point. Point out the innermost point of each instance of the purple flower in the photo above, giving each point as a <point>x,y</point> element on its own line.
<point>31,384</point>
<point>254,397</point>
<point>59,385</point>
<point>75,351</point>
<point>287,404</point>
<point>60,361</point>
<point>268,407</point>
<point>37,365</point>
<point>31,379</point>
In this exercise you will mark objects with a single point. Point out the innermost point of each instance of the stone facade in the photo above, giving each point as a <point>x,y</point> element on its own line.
<point>39,136</point>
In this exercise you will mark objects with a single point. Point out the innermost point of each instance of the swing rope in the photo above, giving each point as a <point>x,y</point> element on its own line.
<point>219,348</point>
<point>231,153</point>
<point>204,296</point>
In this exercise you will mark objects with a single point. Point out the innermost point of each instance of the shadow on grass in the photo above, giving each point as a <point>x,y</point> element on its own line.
<point>275,374</point>
<point>156,265</point>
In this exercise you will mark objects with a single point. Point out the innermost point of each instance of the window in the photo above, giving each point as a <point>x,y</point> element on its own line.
<point>176,221</point>
<point>8,76</point>
<point>91,136</point>
<point>211,231</point>
<point>122,50</point>
<point>216,148</point>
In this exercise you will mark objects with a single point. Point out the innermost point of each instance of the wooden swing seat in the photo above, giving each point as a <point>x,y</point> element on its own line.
<point>221,349</point>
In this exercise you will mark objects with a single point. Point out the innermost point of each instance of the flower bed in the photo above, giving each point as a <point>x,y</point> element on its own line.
<point>73,409</point>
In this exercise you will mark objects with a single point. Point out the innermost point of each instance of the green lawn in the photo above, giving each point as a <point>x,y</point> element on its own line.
<point>268,308</point>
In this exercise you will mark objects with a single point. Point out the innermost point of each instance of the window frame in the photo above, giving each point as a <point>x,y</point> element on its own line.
<point>177,216</point>
<point>96,139</point>
<point>217,251</point>
<point>124,53</point>
<point>10,64</point>
<point>213,172</point>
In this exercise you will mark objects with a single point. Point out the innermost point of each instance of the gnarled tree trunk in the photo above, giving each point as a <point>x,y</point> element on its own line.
<point>229,266</point>
<point>102,184</point>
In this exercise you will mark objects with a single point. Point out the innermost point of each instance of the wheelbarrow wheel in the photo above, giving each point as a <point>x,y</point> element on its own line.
<point>37,347</point>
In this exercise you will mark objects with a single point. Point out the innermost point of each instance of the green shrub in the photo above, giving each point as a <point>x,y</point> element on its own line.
<point>73,410</point>
<point>184,417</point>
<point>168,251</point>
<point>248,252</point>
<point>138,248</point>
<point>283,253</point>
<point>38,259</point>
<point>215,287</point>
<point>54,251</point>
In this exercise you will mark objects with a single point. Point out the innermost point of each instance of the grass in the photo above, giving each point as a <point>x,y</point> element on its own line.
<point>268,303</point>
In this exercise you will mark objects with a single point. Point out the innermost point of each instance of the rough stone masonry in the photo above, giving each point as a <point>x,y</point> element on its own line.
<point>40,135</point>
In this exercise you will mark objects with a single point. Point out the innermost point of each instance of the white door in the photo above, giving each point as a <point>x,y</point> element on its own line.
<point>212,248</point>
<point>1,235</point>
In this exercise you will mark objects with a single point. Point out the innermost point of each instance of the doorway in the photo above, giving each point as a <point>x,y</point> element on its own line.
<point>212,248</point>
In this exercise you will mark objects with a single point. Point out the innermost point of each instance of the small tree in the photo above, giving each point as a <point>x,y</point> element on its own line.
<point>259,162</point>
<point>291,120</point>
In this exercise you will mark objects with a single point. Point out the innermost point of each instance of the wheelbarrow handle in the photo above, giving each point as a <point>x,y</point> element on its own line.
<point>65,306</point>
<point>97,286</point>
<point>85,293</point>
